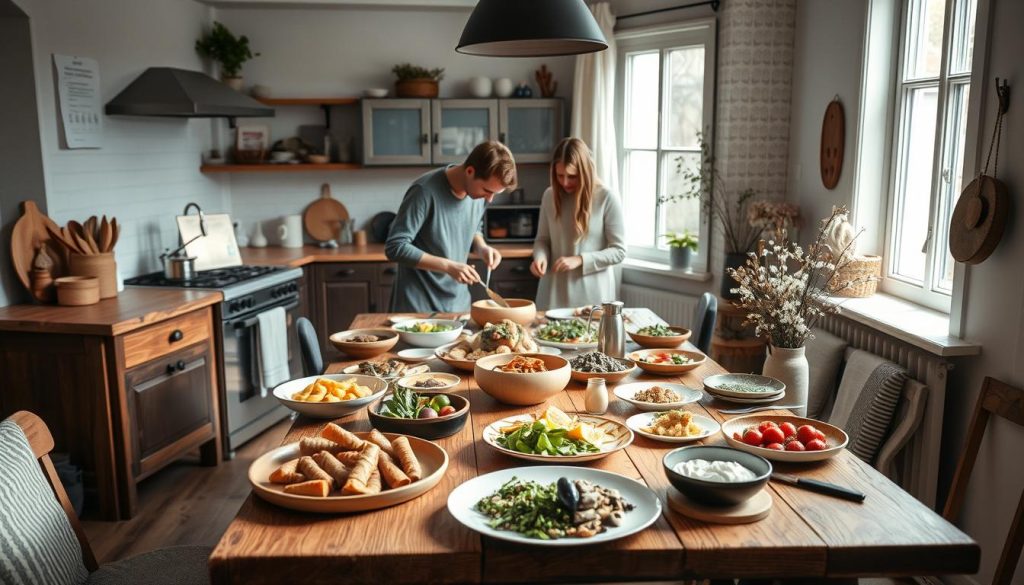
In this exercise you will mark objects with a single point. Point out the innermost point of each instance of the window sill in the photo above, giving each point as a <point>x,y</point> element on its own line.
<point>917,325</point>
<point>663,270</point>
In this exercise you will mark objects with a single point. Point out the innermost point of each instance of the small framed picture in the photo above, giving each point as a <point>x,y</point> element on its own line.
<point>252,138</point>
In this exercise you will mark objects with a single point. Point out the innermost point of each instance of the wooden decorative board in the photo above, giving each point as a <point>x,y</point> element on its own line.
<point>28,235</point>
<point>323,217</point>
<point>978,220</point>
<point>833,135</point>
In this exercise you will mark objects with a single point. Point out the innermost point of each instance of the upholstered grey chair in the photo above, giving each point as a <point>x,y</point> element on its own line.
<point>43,540</point>
<point>704,321</point>
<point>312,359</point>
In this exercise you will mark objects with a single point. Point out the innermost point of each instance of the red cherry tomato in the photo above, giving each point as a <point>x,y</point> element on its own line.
<point>737,436</point>
<point>788,429</point>
<point>765,425</point>
<point>816,445</point>
<point>806,433</point>
<point>795,446</point>
<point>773,435</point>
<point>752,437</point>
<point>446,410</point>
<point>775,447</point>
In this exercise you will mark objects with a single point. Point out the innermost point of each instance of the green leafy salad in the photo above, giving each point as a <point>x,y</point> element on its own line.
<point>567,331</point>
<point>657,331</point>
<point>538,439</point>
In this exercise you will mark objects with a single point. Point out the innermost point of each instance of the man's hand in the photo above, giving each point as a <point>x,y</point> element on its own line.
<point>567,263</point>
<point>462,273</point>
<point>490,256</point>
<point>539,267</point>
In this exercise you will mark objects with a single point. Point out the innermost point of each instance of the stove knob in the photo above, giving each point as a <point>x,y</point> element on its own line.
<point>233,307</point>
<point>249,303</point>
<point>274,294</point>
<point>293,287</point>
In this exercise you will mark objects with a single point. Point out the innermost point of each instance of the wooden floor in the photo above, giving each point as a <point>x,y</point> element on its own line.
<point>184,503</point>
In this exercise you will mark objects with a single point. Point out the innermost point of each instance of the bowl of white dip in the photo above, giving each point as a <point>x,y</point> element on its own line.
<point>719,476</point>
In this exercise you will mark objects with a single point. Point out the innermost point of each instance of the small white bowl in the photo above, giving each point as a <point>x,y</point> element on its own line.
<point>284,391</point>
<point>450,381</point>
<point>626,392</point>
<point>376,92</point>
<point>429,339</point>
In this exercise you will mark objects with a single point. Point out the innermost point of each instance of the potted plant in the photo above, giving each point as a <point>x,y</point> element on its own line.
<point>230,51</point>
<point>681,248</point>
<point>416,82</point>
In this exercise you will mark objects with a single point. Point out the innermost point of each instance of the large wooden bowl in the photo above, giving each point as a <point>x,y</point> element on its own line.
<point>662,341</point>
<point>522,311</point>
<point>696,357</point>
<point>364,350</point>
<point>521,389</point>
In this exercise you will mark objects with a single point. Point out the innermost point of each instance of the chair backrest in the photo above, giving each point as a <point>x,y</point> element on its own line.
<point>41,442</point>
<point>312,359</point>
<point>704,321</point>
<point>1005,401</point>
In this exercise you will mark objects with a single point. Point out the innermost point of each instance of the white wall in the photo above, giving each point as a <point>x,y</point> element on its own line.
<point>148,168</point>
<point>342,51</point>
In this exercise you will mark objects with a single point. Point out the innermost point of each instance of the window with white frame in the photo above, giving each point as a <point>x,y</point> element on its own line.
<point>933,87</point>
<point>665,102</point>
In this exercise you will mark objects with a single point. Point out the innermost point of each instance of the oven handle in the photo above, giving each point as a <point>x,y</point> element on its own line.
<point>253,320</point>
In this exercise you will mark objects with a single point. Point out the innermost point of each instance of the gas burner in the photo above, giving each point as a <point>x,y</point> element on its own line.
<point>233,281</point>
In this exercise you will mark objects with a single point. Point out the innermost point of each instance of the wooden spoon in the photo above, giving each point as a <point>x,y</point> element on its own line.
<point>115,230</point>
<point>90,237</point>
<point>105,235</point>
<point>69,240</point>
<point>78,234</point>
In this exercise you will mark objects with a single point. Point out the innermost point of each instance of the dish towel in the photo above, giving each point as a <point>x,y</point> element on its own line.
<point>273,351</point>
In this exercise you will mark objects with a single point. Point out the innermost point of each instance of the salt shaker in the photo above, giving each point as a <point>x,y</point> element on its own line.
<point>611,332</point>
<point>596,399</point>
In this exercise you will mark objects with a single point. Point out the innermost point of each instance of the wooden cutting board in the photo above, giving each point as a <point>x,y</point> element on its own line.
<point>833,137</point>
<point>323,217</point>
<point>28,235</point>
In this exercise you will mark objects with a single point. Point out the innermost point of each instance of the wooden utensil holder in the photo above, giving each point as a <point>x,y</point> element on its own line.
<point>77,290</point>
<point>102,266</point>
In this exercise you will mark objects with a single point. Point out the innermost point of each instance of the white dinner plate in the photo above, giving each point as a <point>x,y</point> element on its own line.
<point>462,502</point>
<point>734,400</point>
<point>617,437</point>
<point>561,314</point>
<point>627,391</point>
<point>638,421</point>
<point>546,349</point>
<point>398,318</point>
<point>416,354</point>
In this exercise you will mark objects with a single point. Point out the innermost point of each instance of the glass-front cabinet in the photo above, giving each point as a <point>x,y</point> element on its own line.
<point>459,125</point>
<point>531,127</point>
<point>396,132</point>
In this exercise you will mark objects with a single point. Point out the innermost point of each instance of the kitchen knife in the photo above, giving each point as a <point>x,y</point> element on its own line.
<point>821,487</point>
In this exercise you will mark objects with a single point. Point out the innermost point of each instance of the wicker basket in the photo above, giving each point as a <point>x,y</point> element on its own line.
<point>867,269</point>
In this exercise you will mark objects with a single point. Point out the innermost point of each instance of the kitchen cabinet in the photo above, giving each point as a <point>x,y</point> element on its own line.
<point>442,131</point>
<point>344,290</point>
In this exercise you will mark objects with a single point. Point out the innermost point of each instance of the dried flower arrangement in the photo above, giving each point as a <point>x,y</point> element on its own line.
<point>774,216</point>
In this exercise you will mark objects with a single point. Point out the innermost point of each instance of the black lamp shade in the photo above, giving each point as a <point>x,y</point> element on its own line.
<point>531,28</point>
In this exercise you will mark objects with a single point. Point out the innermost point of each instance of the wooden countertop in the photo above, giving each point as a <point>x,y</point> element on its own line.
<point>131,309</point>
<point>298,257</point>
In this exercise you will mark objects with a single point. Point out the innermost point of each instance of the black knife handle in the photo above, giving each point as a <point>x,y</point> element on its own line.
<point>831,489</point>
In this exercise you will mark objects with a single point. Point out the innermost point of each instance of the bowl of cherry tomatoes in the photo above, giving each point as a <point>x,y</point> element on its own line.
<point>785,437</point>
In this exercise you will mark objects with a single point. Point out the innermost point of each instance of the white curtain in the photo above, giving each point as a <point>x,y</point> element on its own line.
<point>593,101</point>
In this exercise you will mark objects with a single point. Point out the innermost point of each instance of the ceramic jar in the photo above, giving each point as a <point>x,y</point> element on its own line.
<point>789,366</point>
<point>503,87</point>
<point>480,87</point>
<point>596,398</point>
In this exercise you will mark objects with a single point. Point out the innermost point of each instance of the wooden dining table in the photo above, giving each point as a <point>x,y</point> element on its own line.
<point>806,534</point>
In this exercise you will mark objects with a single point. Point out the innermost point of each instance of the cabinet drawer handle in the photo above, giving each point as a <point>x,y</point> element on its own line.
<point>170,369</point>
<point>425,139</point>
<point>176,335</point>
<point>347,272</point>
<point>181,365</point>
<point>436,138</point>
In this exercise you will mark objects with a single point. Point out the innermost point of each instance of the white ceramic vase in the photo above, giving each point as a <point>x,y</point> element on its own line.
<point>789,365</point>
<point>480,87</point>
<point>503,87</point>
<point>258,240</point>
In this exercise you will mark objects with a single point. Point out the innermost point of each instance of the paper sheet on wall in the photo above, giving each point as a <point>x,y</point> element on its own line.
<point>78,90</point>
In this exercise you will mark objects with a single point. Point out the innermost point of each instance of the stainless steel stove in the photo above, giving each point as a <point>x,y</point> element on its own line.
<point>248,407</point>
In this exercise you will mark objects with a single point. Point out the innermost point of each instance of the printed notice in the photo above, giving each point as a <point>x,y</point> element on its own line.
<point>78,89</point>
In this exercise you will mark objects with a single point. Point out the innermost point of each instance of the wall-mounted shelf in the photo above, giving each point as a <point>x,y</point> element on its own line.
<point>279,168</point>
<point>323,103</point>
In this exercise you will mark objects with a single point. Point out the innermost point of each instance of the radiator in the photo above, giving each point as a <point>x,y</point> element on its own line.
<point>918,465</point>
<point>674,308</point>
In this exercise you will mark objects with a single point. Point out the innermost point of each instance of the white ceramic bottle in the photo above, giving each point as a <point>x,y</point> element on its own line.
<point>258,240</point>
<point>596,399</point>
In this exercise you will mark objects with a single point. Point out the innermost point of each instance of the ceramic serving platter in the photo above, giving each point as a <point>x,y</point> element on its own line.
<point>617,437</point>
<point>754,386</point>
<point>764,400</point>
<point>331,410</point>
<point>638,422</point>
<point>628,391</point>
<point>835,437</point>
<point>696,360</point>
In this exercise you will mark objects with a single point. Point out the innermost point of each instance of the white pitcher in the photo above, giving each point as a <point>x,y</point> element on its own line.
<point>289,232</point>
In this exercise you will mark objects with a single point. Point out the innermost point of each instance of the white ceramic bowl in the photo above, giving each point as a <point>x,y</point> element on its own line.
<point>688,395</point>
<point>450,381</point>
<point>429,339</point>
<point>376,92</point>
<point>284,391</point>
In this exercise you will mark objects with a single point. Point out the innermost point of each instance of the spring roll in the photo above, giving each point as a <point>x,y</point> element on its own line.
<point>392,474</point>
<point>314,445</point>
<point>329,463</point>
<point>313,487</point>
<point>373,485</point>
<point>346,440</point>
<point>287,473</point>
<point>378,438</point>
<point>359,476</point>
<point>349,458</point>
<point>310,469</point>
<point>406,458</point>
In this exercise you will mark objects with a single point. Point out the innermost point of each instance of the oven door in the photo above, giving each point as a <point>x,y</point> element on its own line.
<point>251,407</point>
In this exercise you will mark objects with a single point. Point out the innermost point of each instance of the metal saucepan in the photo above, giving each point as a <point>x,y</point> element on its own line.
<point>179,267</point>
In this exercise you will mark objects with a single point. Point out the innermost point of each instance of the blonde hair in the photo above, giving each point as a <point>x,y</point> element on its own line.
<point>573,152</point>
<point>493,159</point>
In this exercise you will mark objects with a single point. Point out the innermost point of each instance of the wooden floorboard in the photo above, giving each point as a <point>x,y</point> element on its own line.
<point>184,503</point>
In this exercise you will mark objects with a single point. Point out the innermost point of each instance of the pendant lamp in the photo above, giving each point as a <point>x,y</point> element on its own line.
<point>531,28</point>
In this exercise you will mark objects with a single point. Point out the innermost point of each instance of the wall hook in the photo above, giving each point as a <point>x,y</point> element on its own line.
<point>1003,92</point>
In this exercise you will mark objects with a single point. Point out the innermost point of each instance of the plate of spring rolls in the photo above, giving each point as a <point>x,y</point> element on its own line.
<point>341,471</point>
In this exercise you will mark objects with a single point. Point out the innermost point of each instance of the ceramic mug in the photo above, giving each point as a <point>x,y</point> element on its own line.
<point>480,87</point>
<point>289,232</point>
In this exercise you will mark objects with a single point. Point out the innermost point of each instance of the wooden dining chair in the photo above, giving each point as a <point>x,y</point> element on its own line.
<point>312,359</point>
<point>43,539</point>
<point>1000,399</point>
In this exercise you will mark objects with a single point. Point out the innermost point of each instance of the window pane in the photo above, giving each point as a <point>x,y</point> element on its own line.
<point>952,179</point>
<point>917,151</point>
<point>640,178</point>
<point>685,97</point>
<point>641,116</point>
<point>924,38</point>
<point>684,215</point>
<point>961,50</point>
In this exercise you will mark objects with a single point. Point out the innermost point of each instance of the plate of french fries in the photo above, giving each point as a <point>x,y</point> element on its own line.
<point>330,395</point>
<point>341,471</point>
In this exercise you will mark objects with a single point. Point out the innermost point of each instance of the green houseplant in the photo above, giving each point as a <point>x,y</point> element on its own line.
<point>681,248</point>
<point>230,51</point>
<point>415,81</point>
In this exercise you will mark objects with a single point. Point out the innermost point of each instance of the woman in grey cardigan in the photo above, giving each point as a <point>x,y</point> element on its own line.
<point>581,234</point>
